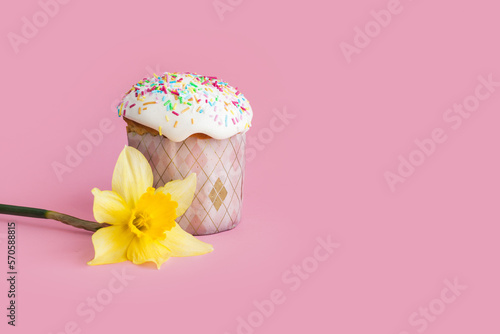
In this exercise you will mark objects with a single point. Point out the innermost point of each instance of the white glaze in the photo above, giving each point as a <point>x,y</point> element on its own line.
<point>218,114</point>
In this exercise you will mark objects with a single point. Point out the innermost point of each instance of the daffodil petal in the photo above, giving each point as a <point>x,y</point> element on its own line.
<point>145,249</point>
<point>182,192</point>
<point>110,208</point>
<point>132,175</point>
<point>180,243</point>
<point>111,244</point>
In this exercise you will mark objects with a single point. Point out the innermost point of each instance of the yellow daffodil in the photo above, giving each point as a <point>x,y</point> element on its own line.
<point>141,218</point>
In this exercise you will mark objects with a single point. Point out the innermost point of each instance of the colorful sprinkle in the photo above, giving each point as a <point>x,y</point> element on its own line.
<point>179,93</point>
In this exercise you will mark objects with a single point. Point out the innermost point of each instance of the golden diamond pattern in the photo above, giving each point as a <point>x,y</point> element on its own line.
<point>218,194</point>
<point>219,165</point>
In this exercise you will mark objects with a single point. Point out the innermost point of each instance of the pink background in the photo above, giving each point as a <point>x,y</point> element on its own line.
<point>321,175</point>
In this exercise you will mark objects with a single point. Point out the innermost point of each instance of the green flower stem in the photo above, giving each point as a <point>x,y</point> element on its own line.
<point>46,214</point>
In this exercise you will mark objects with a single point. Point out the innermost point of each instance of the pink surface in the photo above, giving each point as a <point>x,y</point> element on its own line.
<point>420,256</point>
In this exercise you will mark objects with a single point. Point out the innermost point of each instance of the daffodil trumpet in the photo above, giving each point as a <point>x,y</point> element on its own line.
<point>135,222</point>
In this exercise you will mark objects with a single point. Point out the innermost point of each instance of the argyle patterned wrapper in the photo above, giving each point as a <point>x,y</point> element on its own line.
<point>219,166</point>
